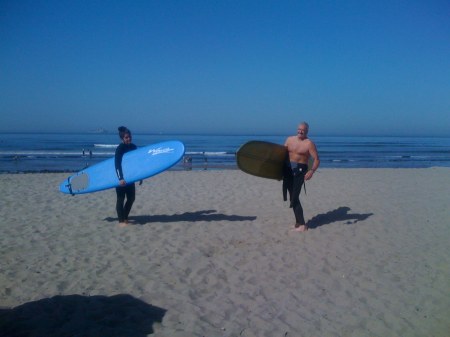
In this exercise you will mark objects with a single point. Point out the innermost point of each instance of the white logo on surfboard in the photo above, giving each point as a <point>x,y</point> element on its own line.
<point>160,150</point>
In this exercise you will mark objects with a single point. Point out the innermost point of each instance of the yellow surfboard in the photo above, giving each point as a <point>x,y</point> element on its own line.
<point>264,159</point>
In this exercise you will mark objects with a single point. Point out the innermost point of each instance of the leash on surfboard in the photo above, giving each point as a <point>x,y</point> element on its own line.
<point>69,187</point>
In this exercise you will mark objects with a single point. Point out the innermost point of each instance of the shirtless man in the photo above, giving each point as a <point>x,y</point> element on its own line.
<point>300,148</point>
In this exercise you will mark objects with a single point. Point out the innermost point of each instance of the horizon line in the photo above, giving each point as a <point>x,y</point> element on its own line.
<point>319,134</point>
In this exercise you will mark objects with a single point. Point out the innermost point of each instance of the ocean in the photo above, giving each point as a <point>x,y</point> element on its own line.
<point>57,152</point>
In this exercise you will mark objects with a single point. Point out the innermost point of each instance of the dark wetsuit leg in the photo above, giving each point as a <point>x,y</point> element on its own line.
<point>298,179</point>
<point>129,192</point>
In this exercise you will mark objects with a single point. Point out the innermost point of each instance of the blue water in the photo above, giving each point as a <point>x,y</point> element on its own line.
<point>42,152</point>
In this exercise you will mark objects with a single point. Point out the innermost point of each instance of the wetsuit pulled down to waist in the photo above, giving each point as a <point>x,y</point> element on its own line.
<point>298,168</point>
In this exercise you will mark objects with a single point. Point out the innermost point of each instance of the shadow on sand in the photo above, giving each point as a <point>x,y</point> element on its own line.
<point>339,214</point>
<point>208,215</point>
<point>77,315</point>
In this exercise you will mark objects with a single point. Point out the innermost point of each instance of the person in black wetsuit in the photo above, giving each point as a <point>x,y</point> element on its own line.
<point>125,189</point>
<point>300,148</point>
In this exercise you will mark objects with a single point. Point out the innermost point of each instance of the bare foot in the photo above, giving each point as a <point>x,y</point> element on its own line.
<point>123,224</point>
<point>300,228</point>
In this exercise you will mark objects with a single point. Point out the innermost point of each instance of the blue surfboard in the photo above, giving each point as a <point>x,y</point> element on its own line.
<point>139,164</point>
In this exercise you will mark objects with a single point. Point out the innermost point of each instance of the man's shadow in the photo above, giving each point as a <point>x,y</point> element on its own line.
<point>339,214</point>
<point>77,315</point>
<point>206,215</point>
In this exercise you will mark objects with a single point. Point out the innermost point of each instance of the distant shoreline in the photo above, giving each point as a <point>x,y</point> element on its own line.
<point>164,134</point>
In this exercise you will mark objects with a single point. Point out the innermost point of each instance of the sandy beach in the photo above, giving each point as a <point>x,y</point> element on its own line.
<point>211,253</point>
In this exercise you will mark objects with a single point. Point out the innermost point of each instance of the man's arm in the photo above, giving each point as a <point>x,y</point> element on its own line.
<point>286,143</point>
<point>313,153</point>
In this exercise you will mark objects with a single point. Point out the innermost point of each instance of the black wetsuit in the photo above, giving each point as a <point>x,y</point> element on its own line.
<point>293,180</point>
<point>128,190</point>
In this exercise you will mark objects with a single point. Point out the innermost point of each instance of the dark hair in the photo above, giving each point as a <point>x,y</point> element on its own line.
<point>123,131</point>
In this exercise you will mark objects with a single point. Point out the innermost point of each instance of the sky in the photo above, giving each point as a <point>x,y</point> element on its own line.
<point>226,67</point>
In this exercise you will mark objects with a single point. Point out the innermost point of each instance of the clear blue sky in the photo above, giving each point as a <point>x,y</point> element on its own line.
<point>358,67</point>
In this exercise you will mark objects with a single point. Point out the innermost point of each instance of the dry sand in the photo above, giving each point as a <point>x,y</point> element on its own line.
<point>211,253</point>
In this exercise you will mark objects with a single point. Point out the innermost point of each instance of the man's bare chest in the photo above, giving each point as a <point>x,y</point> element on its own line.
<point>299,147</point>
